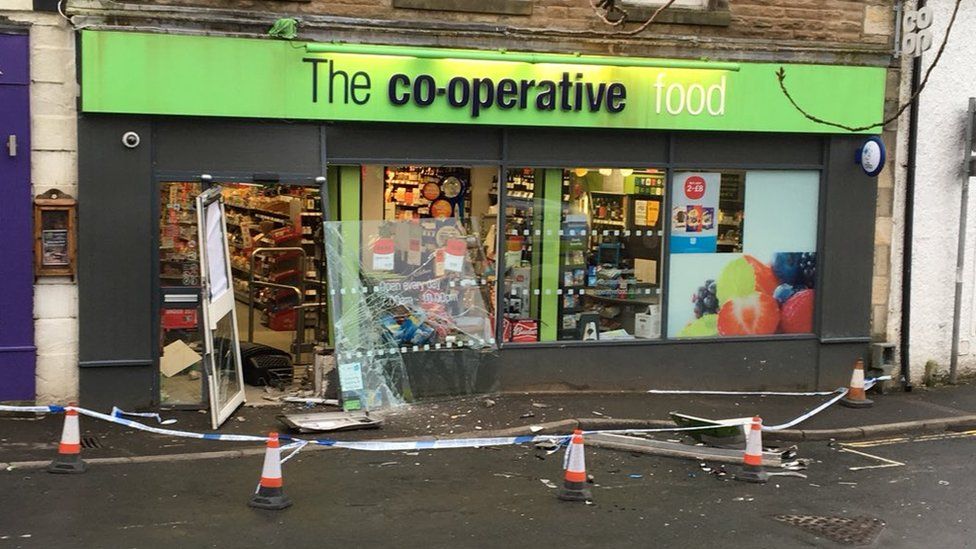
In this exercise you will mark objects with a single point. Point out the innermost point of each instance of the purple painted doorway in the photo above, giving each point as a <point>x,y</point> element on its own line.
<point>17,351</point>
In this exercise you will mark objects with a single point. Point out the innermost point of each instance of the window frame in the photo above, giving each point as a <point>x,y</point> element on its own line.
<point>495,7</point>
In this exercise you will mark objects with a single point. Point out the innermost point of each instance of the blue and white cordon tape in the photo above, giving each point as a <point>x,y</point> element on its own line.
<point>296,443</point>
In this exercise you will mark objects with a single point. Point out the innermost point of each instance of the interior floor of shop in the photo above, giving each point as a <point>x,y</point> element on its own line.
<point>262,334</point>
<point>184,389</point>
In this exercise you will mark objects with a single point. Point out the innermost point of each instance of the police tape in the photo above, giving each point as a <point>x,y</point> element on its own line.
<point>298,443</point>
<point>868,383</point>
<point>152,415</point>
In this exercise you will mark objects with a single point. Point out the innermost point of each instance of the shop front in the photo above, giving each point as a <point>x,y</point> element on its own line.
<point>454,221</point>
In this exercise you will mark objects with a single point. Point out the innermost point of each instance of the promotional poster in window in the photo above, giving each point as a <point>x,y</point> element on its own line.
<point>766,282</point>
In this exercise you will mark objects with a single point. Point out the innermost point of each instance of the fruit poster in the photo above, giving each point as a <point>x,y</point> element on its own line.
<point>693,210</point>
<point>768,289</point>
<point>752,297</point>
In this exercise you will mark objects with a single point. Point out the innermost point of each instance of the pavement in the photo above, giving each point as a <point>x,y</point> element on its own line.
<point>35,438</point>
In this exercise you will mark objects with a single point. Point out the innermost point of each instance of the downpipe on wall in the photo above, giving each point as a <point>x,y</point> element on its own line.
<point>961,250</point>
<point>908,236</point>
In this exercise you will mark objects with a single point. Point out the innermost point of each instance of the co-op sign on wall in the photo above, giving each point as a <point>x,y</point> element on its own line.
<point>570,92</point>
<point>122,72</point>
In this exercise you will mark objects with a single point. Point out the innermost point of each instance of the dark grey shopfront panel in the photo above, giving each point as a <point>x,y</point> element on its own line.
<point>558,147</point>
<point>115,262</point>
<point>717,365</point>
<point>836,361</point>
<point>438,145</point>
<point>848,240</point>
<point>237,147</point>
<point>714,149</point>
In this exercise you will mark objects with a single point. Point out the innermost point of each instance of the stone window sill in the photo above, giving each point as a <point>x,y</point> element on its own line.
<point>715,14</point>
<point>503,7</point>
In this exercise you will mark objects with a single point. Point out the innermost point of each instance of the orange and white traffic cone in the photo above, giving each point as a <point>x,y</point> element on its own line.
<point>574,484</point>
<point>69,459</point>
<point>856,398</point>
<point>752,465</point>
<point>269,494</point>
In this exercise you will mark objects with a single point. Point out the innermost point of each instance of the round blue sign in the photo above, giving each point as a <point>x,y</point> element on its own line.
<point>871,156</point>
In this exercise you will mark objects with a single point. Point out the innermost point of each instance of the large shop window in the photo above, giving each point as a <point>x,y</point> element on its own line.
<point>582,254</point>
<point>414,272</point>
<point>743,256</point>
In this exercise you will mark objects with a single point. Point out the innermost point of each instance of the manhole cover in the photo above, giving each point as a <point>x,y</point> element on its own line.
<point>90,442</point>
<point>860,530</point>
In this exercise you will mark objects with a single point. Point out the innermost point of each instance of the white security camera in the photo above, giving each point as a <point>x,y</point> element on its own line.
<point>131,139</point>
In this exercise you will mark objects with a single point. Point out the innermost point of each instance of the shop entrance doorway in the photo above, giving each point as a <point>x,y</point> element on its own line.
<point>276,280</point>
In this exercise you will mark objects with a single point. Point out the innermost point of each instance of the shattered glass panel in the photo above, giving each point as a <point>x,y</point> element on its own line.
<point>225,361</point>
<point>397,287</point>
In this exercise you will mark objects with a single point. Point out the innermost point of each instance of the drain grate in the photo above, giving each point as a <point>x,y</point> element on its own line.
<point>90,442</point>
<point>860,530</point>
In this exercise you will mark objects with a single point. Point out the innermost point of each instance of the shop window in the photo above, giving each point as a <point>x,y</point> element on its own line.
<point>427,256</point>
<point>685,12</point>
<point>582,254</point>
<point>743,253</point>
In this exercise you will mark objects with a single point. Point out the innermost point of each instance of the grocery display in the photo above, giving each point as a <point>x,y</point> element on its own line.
<point>416,192</point>
<point>606,243</point>
<point>267,217</point>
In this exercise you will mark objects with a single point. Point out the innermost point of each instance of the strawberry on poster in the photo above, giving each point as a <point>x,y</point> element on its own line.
<point>694,229</point>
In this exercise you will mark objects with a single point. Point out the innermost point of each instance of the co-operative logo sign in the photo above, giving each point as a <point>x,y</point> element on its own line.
<point>916,31</point>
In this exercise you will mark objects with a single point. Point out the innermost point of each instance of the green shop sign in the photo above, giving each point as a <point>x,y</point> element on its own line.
<point>137,73</point>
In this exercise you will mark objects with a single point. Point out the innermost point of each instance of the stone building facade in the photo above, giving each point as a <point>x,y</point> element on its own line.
<point>54,164</point>
<point>841,32</point>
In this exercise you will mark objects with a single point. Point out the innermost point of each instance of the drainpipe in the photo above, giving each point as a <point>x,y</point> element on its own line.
<point>961,250</point>
<point>906,267</point>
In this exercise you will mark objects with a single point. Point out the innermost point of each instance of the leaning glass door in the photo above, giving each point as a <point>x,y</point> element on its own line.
<point>223,357</point>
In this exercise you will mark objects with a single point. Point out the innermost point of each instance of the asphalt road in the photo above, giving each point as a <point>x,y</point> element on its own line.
<point>491,498</point>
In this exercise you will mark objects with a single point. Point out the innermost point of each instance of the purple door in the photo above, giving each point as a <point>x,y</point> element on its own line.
<point>17,351</point>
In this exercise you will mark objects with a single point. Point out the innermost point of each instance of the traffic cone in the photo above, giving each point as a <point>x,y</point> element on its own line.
<point>752,466</point>
<point>69,460</point>
<point>269,494</point>
<point>574,483</point>
<point>855,394</point>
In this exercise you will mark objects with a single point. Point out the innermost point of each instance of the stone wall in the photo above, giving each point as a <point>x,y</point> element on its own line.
<point>833,31</point>
<point>54,164</point>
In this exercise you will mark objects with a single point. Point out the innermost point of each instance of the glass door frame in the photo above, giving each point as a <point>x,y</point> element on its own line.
<point>217,307</point>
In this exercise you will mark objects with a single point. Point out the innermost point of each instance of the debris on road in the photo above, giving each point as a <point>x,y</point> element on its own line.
<point>311,400</point>
<point>728,433</point>
<point>330,421</point>
<point>676,449</point>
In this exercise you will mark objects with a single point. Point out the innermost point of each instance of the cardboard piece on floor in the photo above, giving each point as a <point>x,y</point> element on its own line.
<point>330,421</point>
<point>177,356</point>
